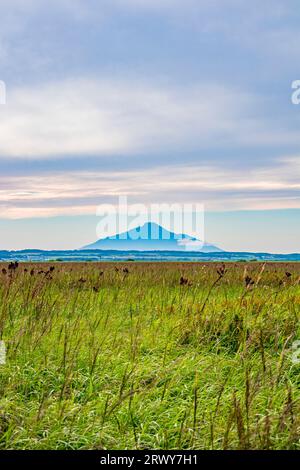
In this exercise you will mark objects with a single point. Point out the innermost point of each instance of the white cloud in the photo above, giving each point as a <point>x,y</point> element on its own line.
<point>102,117</point>
<point>79,193</point>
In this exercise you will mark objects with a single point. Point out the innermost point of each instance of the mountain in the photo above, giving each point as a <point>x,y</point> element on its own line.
<point>152,237</point>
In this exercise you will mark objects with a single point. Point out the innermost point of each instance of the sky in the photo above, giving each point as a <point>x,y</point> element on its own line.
<point>165,101</point>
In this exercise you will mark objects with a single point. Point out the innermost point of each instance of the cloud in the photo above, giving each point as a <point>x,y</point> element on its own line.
<point>80,193</point>
<point>108,117</point>
<point>213,100</point>
<point>39,37</point>
<point>78,117</point>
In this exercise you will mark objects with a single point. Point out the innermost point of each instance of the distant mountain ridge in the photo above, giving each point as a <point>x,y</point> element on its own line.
<point>32,255</point>
<point>152,237</point>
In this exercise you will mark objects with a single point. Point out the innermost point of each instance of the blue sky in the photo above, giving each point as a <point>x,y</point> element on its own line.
<point>162,100</point>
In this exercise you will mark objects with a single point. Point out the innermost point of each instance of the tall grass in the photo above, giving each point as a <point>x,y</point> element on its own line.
<point>149,356</point>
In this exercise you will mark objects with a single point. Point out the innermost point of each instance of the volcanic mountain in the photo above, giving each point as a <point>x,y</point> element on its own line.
<point>152,237</point>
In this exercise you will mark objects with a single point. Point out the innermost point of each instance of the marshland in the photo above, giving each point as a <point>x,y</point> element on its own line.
<point>150,356</point>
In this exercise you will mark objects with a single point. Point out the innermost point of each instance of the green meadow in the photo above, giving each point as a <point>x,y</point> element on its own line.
<point>150,356</point>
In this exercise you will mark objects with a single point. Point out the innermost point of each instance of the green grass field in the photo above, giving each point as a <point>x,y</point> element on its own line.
<point>150,356</point>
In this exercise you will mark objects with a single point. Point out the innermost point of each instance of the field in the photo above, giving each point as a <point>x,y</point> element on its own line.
<point>150,356</point>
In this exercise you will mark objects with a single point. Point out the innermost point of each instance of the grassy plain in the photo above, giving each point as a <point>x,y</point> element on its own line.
<point>150,356</point>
